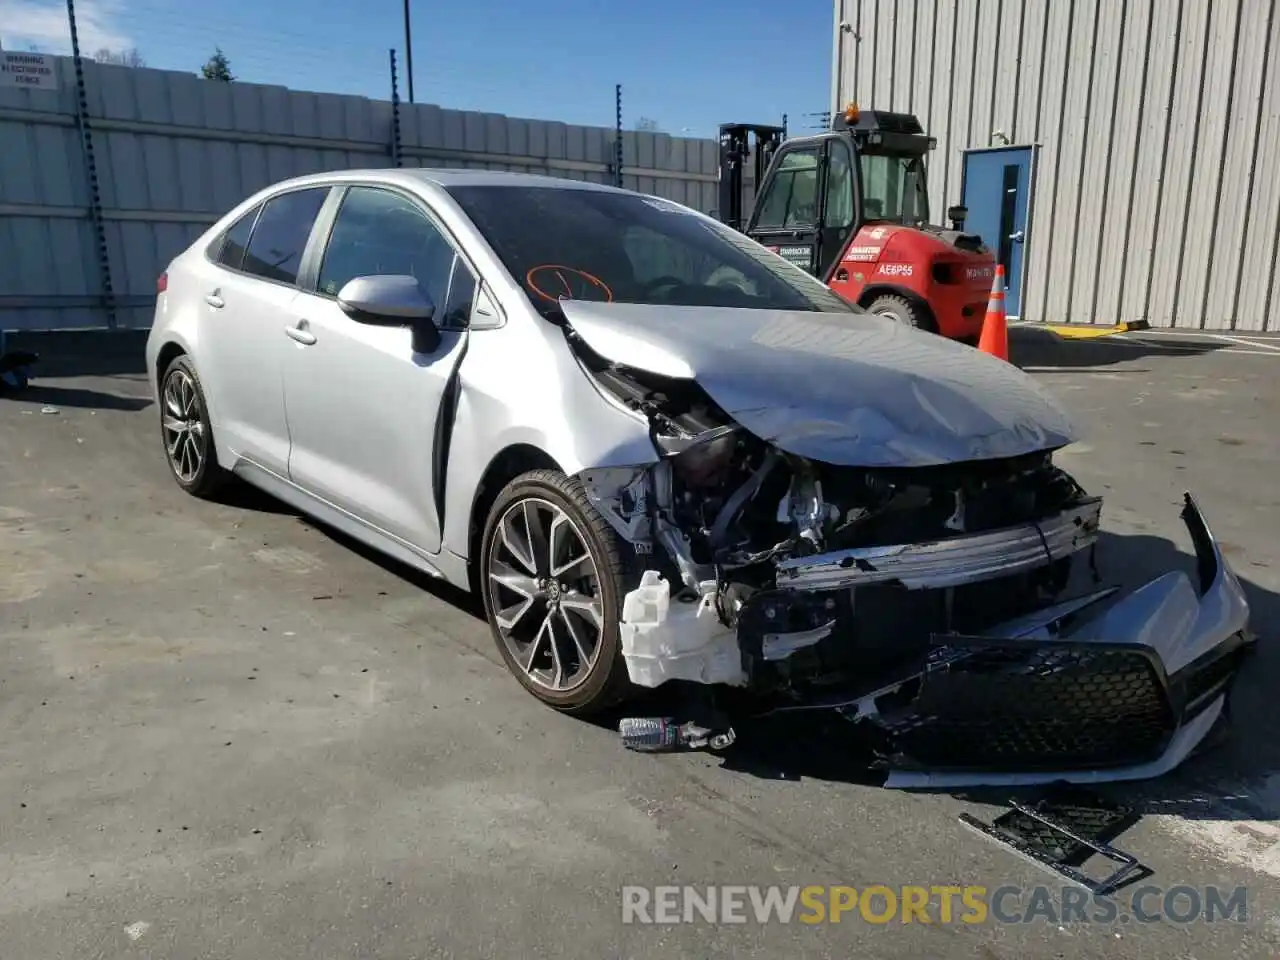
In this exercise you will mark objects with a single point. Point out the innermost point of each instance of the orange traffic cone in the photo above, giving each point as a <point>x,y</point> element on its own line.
<point>995,329</point>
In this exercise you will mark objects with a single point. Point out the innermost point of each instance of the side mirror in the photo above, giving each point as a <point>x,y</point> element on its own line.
<point>394,300</point>
<point>957,216</point>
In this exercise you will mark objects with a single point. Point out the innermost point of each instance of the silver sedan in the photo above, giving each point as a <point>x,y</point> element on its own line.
<point>662,453</point>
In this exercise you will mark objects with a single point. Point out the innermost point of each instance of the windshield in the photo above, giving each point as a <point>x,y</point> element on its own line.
<point>893,188</point>
<point>580,244</point>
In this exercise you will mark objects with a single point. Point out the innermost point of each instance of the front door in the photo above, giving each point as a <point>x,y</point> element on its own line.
<point>362,405</point>
<point>997,190</point>
<point>806,207</point>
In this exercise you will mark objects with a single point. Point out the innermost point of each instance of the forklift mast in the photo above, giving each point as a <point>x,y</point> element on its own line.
<point>736,149</point>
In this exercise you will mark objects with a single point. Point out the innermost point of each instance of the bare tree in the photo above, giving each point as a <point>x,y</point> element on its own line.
<point>121,58</point>
<point>648,125</point>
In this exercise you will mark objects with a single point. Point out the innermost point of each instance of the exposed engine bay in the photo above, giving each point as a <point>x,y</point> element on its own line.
<point>927,601</point>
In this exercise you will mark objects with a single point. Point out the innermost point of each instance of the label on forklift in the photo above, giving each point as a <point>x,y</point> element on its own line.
<point>895,269</point>
<point>976,274</point>
<point>862,254</point>
<point>801,256</point>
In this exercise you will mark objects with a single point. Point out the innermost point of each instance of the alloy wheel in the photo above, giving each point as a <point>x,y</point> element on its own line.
<point>183,422</point>
<point>544,591</point>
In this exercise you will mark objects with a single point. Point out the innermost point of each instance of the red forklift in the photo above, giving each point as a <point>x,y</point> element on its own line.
<point>851,207</point>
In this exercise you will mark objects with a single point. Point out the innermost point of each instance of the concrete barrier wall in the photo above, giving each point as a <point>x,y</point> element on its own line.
<point>173,152</point>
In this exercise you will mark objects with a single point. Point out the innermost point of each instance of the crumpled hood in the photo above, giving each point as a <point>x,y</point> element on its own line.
<point>846,389</point>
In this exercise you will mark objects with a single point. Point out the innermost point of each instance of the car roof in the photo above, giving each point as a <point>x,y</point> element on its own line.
<point>445,178</point>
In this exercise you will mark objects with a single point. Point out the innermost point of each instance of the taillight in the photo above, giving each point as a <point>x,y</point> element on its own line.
<point>162,282</point>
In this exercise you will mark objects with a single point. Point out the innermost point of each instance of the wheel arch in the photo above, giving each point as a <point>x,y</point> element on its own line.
<point>168,352</point>
<point>510,462</point>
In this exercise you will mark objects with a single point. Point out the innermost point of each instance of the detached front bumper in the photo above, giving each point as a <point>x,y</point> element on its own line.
<point>1127,694</point>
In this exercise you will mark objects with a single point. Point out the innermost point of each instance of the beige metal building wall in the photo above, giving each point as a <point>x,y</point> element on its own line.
<point>1156,123</point>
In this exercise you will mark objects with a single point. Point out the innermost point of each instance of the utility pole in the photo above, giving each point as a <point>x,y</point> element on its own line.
<point>408,50</point>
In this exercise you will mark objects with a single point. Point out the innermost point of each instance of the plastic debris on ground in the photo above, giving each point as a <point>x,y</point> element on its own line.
<point>664,735</point>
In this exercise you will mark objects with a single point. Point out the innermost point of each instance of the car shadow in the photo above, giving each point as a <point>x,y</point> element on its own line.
<point>54,395</point>
<point>1039,350</point>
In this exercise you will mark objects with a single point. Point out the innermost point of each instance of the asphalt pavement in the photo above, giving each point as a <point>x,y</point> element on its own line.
<point>227,733</point>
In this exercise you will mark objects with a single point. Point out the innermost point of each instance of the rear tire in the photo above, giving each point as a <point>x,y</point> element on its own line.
<point>553,598</point>
<point>186,431</point>
<point>903,311</point>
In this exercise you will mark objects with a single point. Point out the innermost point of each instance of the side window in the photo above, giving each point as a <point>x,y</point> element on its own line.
<point>790,201</point>
<point>280,236</point>
<point>380,233</point>
<point>839,212</point>
<point>236,239</point>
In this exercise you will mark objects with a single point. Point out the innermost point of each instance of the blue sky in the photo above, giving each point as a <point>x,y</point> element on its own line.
<point>686,65</point>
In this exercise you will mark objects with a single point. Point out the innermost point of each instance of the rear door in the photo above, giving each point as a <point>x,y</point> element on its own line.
<point>248,289</point>
<point>806,209</point>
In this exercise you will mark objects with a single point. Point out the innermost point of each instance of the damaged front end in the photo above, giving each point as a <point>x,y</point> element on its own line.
<point>928,604</point>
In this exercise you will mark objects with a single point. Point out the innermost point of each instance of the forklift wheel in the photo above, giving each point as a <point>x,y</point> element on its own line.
<point>902,310</point>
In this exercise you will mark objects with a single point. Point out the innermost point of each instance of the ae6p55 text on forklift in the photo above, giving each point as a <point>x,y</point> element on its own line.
<point>851,207</point>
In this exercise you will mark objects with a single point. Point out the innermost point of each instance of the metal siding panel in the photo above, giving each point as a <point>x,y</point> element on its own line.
<point>1185,132</point>
<point>925,34</point>
<point>1037,304</point>
<point>865,53</point>
<point>1008,67</point>
<point>1202,239</point>
<point>987,62</point>
<point>1256,293</point>
<point>1154,132</point>
<point>1078,130</point>
<point>1240,166</point>
<point>1096,197</point>
<point>941,94</point>
<point>1127,130</point>
<point>882,56</point>
<point>961,99</point>
<point>1035,17</point>
<point>904,38</point>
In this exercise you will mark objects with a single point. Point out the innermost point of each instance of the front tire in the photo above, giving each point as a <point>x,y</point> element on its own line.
<point>553,574</point>
<point>187,431</point>
<point>903,311</point>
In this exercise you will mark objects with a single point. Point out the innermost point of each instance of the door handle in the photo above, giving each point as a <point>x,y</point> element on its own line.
<point>215,301</point>
<point>300,334</point>
<point>1016,236</point>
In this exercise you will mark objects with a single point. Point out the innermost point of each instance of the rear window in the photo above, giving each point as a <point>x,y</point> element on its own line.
<point>280,235</point>
<point>570,243</point>
<point>228,250</point>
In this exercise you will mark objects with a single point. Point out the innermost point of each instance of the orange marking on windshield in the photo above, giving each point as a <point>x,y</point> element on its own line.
<point>560,270</point>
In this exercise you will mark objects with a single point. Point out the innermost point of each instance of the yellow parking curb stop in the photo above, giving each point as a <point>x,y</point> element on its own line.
<point>1089,331</point>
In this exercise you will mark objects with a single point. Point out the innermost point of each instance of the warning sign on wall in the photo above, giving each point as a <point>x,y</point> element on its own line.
<point>30,71</point>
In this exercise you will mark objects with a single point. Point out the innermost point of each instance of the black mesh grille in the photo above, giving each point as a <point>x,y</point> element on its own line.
<point>1202,682</point>
<point>1048,707</point>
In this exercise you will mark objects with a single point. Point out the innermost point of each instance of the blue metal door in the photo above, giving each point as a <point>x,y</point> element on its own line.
<point>996,187</point>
